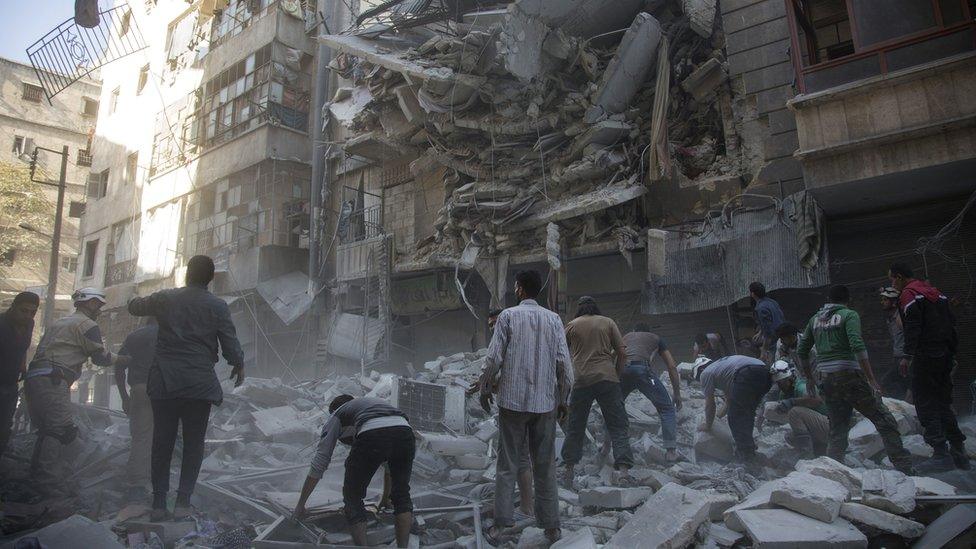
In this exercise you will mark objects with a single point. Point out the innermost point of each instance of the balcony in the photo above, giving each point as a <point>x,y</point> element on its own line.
<point>120,273</point>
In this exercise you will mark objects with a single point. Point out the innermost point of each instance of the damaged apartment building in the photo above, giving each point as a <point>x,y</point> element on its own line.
<point>658,155</point>
<point>202,147</point>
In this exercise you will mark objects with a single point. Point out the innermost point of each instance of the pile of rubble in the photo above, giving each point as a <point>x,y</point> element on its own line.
<point>542,112</point>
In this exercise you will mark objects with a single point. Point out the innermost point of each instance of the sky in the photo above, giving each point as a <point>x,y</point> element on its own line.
<point>25,21</point>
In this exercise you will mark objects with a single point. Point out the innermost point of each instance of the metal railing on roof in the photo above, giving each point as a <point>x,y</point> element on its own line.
<point>70,52</point>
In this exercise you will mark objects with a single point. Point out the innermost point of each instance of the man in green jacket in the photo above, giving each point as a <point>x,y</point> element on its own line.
<point>846,378</point>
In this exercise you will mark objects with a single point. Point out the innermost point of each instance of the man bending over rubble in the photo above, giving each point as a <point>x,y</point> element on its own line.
<point>846,378</point>
<point>744,381</point>
<point>378,434</point>
<point>529,358</point>
<point>182,384</point>
<point>642,348</point>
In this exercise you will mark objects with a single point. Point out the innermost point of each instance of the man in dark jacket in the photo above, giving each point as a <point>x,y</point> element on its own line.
<point>182,384</point>
<point>16,327</point>
<point>769,315</point>
<point>930,346</point>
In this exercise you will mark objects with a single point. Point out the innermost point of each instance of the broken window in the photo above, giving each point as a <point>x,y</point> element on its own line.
<point>131,167</point>
<point>33,93</point>
<point>69,264</point>
<point>18,148</point>
<point>98,184</point>
<point>84,158</point>
<point>91,248</point>
<point>237,16</point>
<point>90,107</point>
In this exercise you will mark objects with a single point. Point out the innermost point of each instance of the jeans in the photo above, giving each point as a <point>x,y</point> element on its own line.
<point>168,414</point>
<point>518,432</point>
<point>749,386</point>
<point>932,387</point>
<point>638,375</point>
<point>607,395</point>
<point>394,446</point>
<point>8,407</point>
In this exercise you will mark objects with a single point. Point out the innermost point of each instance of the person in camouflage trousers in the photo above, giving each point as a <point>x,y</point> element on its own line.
<point>846,378</point>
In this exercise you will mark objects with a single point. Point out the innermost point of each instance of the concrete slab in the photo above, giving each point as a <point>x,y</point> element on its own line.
<point>949,526</point>
<point>758,499</point>
<point>703,80</point>
<point>580,539</point>
<point>715,445</point>
<point>612,497</point>
<point>874,522</point>
<point>783,529</point>
<point>701,16</point>
<point>809,495</point>
<point>625,74</point>
<point>723,536</point>
<point>719,503</point>
<point>667,520</point>
<point>887,490</point>
<point>832,469</point>
<point>928,486</point>
<point>448,445</point>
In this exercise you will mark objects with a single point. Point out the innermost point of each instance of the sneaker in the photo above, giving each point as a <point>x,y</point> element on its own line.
<point>959,457</point>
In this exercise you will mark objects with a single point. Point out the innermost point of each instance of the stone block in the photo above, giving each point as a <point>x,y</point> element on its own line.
<point>719,503</point>
<point>684,511</point>
<point>701,16</point>
<point>612,497</point>
<point>783,529</point>
<point>948,527</point>
<point>809,495</point>
<point>448,445</point>
<point>832,469</point>
<point>887,490</point>
<point>758,499</point>
<point>722,536</point>
<point>705,78</point>
<point>580,539</point>
<point>715,445</point>
<point>874,522</point>
<point>928,486</point>
<point>915,444</point>
<point>532,538</point>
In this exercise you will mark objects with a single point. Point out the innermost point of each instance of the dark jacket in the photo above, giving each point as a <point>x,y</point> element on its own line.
<point>192,321</point>
<point>930,328</point>
<point>14,343</point>
<point>769,316</point>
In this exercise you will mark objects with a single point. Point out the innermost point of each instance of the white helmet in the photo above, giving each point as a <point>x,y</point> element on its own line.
<point>87,294</point>
<point>701,363</point>
<point>781,370</point>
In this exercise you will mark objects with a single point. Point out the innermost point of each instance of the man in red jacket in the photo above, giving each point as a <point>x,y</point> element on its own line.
<point>930,347</point>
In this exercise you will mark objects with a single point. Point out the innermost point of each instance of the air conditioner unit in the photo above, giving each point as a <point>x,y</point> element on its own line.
<point>429,406</point>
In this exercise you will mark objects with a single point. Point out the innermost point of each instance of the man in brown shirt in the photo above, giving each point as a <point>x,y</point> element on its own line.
<point>599,357</point>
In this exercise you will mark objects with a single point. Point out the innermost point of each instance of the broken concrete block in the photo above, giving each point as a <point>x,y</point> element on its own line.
<point>915,444</point>
<point>612,497</point>
<point>532,538</point>
<point>722,536</point>
<point>783,529</point>
<point>700,84</point>
<point>486,431</point>
<point>407,99</point>
<point>472,462</point>
<point>928,486</point>
<point>948,527</point>
<point>685,510</point>
<point>815,497</point>
<point>874,522</point>
<point>701,16</point>
<point>74,531</point>
<point>625,74</point>
<point>716,444</point>
<point>719,503</point>
<point>758,499</point>
<point>832,469</point>
<point>890,491</point>
<point>580,539</point>
<point>448,445</point>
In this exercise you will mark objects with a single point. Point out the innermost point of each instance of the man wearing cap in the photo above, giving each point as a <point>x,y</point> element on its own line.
<point>599,357</point>
<point>745,381</point>
<point>182,384</point>
<point>67,344</point>
<point>804,411</point>
<point>898,385</point>
<point>16,327</point>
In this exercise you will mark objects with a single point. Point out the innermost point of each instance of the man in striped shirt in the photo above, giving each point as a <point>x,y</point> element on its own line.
<point>529,359</point>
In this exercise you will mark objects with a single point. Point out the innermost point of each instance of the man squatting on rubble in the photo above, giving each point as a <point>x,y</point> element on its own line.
<point>744,381</point>
<point>599,356</point>
<point>846,378</point>
<point>642,348</point>
<point>803,409</point>
<point>930,348</point>
<point>182,384</point>
<point>769,316</point>
<point>378,434</point>
<point>135,358</point>
<point>65,347</point>
<point>529,361</point>
<point>16,327</point>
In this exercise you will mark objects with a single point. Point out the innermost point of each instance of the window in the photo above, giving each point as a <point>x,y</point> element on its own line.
<point>98,184</point>
<point>33,93</point>
<point>91,248</point>
<point>69,264</point>
<point>76,209</point>
<point>90,107</point>
<point>7,257</point>
<point>18,145</point>
<point>113,102</point>
<point>143,79</point>
<point>131,167</point>
<point>84,158</point>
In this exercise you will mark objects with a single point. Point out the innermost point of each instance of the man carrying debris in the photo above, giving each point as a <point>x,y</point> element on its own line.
<point>711,345</point>
<point>529,358</point>
<point>931,342</point>
<point>744,381</point>
<point>599,356</point>
<point>769,316</point>
<point>846,378</point>
<point>66,346</point>
<point>135,358</point>
<point>378,434</point>
<point>182,384</point>
<point>642,348</point>
<point>16,328</point>
<point>803,410</point>
<point>896,383</point>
